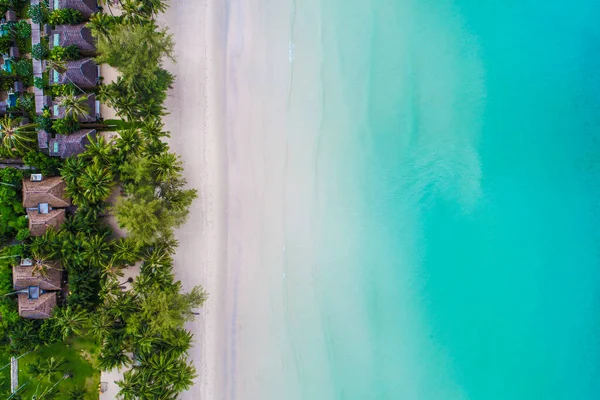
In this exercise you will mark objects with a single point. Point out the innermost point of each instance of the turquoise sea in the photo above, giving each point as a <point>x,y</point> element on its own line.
<point>454,196</point>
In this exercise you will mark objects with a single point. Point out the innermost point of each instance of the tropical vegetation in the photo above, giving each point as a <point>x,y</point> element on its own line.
<point>138,323</point>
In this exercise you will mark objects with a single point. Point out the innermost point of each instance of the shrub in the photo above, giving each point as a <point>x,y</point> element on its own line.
<point>38,13</point>
<point>44,121</point>
<point>6,80</point>
<point>24,68</point>
<point>23,234</point>
<point>40,83</point>
<point>5,44</point>
<point>59,53</point>
<point>64,16</point>
<point>21,29</point>
<point>39,51</point>
<point>65,126</point>
<point>27,102</point>
<point>63,89</point>
<point>48,166</point>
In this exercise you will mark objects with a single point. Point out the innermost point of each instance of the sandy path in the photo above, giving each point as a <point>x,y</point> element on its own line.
<point>196,121</point>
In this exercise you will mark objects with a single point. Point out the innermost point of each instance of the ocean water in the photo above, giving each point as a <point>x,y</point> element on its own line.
<point>440,213</point>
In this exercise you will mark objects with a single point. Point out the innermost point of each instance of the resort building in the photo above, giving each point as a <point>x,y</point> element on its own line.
<point>86,7</point>
<point>37,293</point>
<point>64,146</point>
<point>83,73</point>
<point>45,201</point>
<point>73,35</point>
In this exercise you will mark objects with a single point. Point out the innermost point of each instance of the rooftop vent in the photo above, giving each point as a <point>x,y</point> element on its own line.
<point>36,177</point>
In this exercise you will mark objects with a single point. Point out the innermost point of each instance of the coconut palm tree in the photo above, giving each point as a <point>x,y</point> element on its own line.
<point>96,250</point>
<point>16,139</point>
<point>100,324</point>
<point>41,264</point>
<point>96,183</point>
<point>76,107</point>
<point>101,24</point>
<point>59,66</point>
<point>126,251</point>
<point>100,151</point>
<point>76,393</point>
<point>113,358</point>
<point>70,320</point>
<point>71,170</point>
<point>166,167</point>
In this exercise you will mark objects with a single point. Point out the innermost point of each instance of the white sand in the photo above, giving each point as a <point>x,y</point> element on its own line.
<point>196,123</point>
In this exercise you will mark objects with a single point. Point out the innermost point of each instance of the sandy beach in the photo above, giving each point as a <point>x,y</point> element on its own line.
<point>196,123</point>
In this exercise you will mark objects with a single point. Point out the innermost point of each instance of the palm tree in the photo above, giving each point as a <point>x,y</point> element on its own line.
<point>126,251</point>
<point>166,167</point>
<point>46,369</point>
<point>100,325</point>
<point>96,250</point>
<point>16,138</point>
<point>113,358</point>
<point>96,183</point>
<point>130,386</point>
<point>76,393</point>
<point>101,24</point>
<point>59,66</point>
<point>47,393</point>
<point>70,320</point>
<point>72,168</point>
<point>41,265</point>
<point>129,143</point>
<point>100,151</point>
<point>76,107</point>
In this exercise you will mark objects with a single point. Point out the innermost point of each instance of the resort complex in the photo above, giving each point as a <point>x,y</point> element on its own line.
<point>89,304</point>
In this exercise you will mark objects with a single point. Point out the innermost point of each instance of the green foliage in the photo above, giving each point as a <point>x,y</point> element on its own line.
<point>44,121</point>
<point>16,138</point>
<point>65,126</point>
<point>63,89</point>
<point>38,13</point>
<point>11,209</point>
<point>41,82</point>
<point>24,69</point>
<point>21,29</point>
<point>65,16</point>
<point>26,102</point>
<point>5,44</point>
<point>59,53</point>
<point>131,46</point>
<point>48,166</point>
<point>39,51</point>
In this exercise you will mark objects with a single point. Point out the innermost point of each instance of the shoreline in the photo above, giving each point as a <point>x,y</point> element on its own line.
<point>197,123</point>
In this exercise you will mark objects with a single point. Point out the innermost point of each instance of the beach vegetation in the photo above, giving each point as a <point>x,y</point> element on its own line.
<point>16,138</point>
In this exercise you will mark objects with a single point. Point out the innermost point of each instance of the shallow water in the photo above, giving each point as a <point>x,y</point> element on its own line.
<point>437,228</point>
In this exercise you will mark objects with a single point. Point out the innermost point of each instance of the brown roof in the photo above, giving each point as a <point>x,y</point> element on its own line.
<point>23,277</point>
<point>49,190</point>
<point>73,144</point>
<point>77,35</point>
<point>83,73</point>
<point>91,108</point>
<point>87,7</point>
<point>40,308</point>
<point>39,223</point>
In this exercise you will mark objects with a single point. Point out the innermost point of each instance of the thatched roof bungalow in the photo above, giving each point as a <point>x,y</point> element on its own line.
<point>83,73</point>
<point>77,35</point>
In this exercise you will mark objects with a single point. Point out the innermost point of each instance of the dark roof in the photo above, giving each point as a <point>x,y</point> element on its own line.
<point>39,223</point>
<point>77,35</point>
<point>10,16</point>
<point>42,137</point>
<point>23,277</point>
<point>40,308</point>
<point>73,144</point>
<point>83,73</point>
<point>48,190</point>
<point>13,51</point>
<point>91,106</point>
<point>87,7</point>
